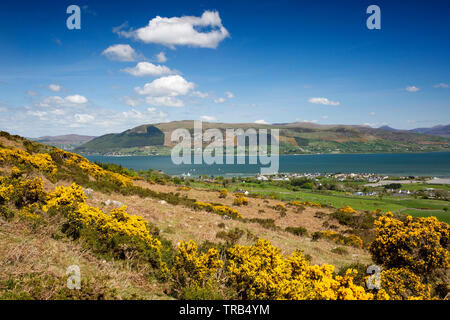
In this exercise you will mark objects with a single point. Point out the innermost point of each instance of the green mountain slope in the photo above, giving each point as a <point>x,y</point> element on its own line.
<point>294,138</point>
<point>150,136</point>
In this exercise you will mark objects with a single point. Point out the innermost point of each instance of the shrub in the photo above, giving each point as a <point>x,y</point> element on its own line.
<point>193,269</point>
<point>265,223</point>
<point>403,284</point>
<point>347,209</point>
<point>298,231</point>
<point>418,244</point>
<point>357,221</point>
<point>231,236</point>
<point>223,193</point>
<point>351,240</point>
<point>262,272</point>
<point>240,201</point>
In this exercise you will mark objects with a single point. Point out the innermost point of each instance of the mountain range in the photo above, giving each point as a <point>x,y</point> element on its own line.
<point>67,142</point>
<point>294,138</point>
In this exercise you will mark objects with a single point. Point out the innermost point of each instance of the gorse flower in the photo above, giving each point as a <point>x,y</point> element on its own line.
<point>192,268</point>
<point>262,272</point>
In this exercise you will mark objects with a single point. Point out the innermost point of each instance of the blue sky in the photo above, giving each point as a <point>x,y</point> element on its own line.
<point>227,61</point>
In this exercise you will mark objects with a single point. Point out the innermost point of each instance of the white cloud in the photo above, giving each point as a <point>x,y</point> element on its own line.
<point>372,113</point>
<point>148,69</point>
<point>199,94</point>
<point>219,100</point>
<point>120,52</point>
<point>166,86</point>
<point>3,109</point>
<point>84,118</point>
<point>323,101</point>
<point>57,101</point>
<point>161,57</point>
<point>325,117</point>
<point>182,31</point>
<point>208,118</point>
<point>166,101</point>
<point>55,87</point>
<point>441,85</point>
<point>39,121</point>
<point>261,122</point>
<point>412,89</point>
<point>76,99</point>
<point>131,101</point>
<point>229,94</point>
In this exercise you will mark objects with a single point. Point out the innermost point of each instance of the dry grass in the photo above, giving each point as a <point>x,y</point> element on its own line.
<point>37,263</point>
<point>180,223</point>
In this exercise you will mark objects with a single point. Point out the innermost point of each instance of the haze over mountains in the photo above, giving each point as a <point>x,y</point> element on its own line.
<point>439,130</point>
<point>67,142</point>
<point>295,138</point>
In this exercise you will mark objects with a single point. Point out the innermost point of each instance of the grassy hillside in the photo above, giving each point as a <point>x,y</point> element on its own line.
<point>146,235</point>
<point>294,138</point>
<point>150,136</point>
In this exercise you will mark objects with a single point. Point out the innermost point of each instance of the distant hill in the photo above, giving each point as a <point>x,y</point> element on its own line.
<point>440,130</point>
<point>295,138</point>
<point>67,142</point>
<point>387,128</point>
<point>443,131</point>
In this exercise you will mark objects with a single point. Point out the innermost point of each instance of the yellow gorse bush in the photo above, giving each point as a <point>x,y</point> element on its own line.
<point>403,284</point>
<point>192,268</point>
<point>6,191</point>
<point>65,197</point>
<point>117,223</point>
<point>74,160</point>
<point>262,272</point>
<point>41,161</point>
<point>418,244</point>
<point>338,238</point>
<point>219,209</point>
<point>347,209</point>
<point>240,201</point>
<point>305,203</point>
<point>223,193</point>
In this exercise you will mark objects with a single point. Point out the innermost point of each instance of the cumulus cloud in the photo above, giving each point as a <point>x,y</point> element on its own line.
<point>261,122</point>
<point>169,86</point>
<point>161,57</point>
<point>200,94</point>
<point>55,87</point>
<point>229,94</point>
<point>372,113</point>
<point>441,85</point>
<point>55,120</point>
<point>76,99</point>
<point>208,118</point>
<point>182,31</point>
<point>324,101</point>
<point>412,89</point>
<point>120,52</point>
<point>165,101</point>
<point>57,101</point>
<point>148,69</point>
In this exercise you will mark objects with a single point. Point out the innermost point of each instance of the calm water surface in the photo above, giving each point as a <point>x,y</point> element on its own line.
<point>421,164</point>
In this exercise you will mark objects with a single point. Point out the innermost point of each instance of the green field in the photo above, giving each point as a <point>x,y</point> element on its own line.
<point>406,205</point>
